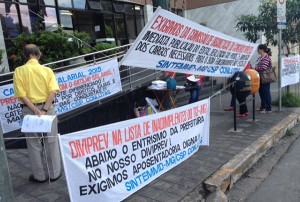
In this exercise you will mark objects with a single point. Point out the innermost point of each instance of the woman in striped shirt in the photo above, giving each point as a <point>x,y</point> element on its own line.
<point>264,62</point>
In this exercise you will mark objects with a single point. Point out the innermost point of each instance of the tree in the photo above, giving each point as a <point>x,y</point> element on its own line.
<point>266,23</point>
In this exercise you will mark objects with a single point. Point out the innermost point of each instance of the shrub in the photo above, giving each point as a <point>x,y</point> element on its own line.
<point>288,100</point>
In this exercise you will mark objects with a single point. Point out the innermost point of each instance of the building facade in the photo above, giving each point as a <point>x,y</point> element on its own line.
<point>114,21</point>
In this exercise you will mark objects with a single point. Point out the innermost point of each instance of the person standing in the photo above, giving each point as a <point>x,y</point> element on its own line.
<point>242,101</point>
<point>196,83</point>
<point>36,87</point>
<point>264,62</point>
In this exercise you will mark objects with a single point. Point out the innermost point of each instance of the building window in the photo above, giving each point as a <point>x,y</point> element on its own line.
<point>138,10</point>
<point>109,26</point>
<point>28,1</point>
<point>79,4</point>
<point>66,19</point>
<point>180,12</point>
<point>130,28</point>
<point>65,3</point>
<point>28,17</point>
<point>50,18</point>
<point>107,6</point>
<point>47,2</point>
<point>139,23</point>
<point>120,29</point>
<point>9,20</point>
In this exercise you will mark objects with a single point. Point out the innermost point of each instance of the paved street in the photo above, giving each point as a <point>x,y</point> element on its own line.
<point>275,177</point>
<point>283,183</point>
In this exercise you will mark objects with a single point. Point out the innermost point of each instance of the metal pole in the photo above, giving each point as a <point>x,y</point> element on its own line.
<point>253,106</point>
<point>279,69</point>
<point>6,191</point>
<point>234,110</point>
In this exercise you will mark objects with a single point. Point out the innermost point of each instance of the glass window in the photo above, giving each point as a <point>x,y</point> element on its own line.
<point>28,18</point>
<point>66,19</point>
<point>130,27</point>
<point>65,3</point>
<point>129,9</point>
<point>50,19</point>
<point>109,26</point>
<point>47,2</point>
<point>120,29</point>
<point>180,12</point>
<point>94,5</point>
<point>138,9</point>
<point>119,7</point>
<point>28,1</point>
<point>139,23</point>
<point>107,6</point>
<point>80,4</point>
<point>9,20</point>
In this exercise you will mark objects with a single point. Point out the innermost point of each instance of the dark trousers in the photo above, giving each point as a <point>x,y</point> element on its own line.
<point>265,96</point>
<point>243,107</point>
<point>194,95</point>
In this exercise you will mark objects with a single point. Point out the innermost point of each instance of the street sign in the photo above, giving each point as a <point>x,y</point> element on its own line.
<point>281,11</point>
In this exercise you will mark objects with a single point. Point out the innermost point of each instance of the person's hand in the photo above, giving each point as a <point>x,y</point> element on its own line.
<point>43,112</point>
<point>38,112</point>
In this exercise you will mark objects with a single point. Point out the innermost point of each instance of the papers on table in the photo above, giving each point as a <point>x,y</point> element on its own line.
<point>36,124</point>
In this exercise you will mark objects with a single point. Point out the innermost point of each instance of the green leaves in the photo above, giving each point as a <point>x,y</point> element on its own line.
<point>266,23</point>
<point>53,45</point>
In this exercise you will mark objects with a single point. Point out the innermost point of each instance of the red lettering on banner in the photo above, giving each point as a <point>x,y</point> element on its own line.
<point>63,86</point>
<point>106,73</point>
<point>167,26</point>
<point>8,101</point>
<point>80,148</point>
<point>134,132</point>
<point>290,61</point>
<point>117,137</point>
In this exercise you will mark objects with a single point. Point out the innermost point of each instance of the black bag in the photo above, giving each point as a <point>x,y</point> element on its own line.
<point>190,86</point>
<point>268,75</point>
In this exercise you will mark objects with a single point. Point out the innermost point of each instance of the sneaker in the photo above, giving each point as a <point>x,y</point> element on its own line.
<point>229,109</point>
<point>262,111</point>
<point>241,115</point>
<point>268,112</point>
<point>247,113</point>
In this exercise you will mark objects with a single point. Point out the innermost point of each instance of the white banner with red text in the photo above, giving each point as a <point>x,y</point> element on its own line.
<point>290,70</point>
<point>111,162</point>
<point>171,43</point>
<point>78,87</point>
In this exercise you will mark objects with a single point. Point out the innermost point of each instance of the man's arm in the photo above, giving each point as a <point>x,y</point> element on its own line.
<point>49,101</point>
<point>29,104</point>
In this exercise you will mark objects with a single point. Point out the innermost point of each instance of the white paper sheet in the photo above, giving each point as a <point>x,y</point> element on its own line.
<point>36,124</point>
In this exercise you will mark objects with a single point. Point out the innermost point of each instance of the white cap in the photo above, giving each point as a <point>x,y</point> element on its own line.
<point>193,78</point>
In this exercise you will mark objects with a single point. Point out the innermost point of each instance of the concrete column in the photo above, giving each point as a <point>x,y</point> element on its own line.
<point>4,66</point>
<point>148,12</point>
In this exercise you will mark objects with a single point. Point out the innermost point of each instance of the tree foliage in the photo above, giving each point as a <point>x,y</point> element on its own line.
<point>266,23</point>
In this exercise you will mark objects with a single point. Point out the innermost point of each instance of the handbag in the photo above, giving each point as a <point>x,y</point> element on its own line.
<point>268,75</point>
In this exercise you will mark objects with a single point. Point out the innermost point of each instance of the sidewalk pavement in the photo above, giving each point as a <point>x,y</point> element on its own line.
<point>212,168</point>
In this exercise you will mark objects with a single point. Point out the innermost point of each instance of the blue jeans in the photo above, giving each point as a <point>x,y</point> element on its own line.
<point>265,96</point>
<point>194,95</point>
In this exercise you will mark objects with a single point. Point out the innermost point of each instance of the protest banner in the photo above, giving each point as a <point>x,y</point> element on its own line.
<point>290,70</point>
<point>85,85</point>
<point>111,162</point>
<point>10,109</point>
<point>78,87</point>
<point>171,43</point>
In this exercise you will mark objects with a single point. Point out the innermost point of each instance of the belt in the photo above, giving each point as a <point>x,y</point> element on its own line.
<point>36,104</point>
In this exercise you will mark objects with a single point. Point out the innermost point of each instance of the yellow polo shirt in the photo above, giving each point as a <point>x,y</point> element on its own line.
<point>34,81</point>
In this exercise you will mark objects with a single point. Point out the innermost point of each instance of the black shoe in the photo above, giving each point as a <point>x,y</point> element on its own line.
<point>32,179</point>
<point>52,180</point>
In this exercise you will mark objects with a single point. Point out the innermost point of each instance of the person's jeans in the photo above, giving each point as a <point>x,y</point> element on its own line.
<point>265,96</point>
<point>194,95</point>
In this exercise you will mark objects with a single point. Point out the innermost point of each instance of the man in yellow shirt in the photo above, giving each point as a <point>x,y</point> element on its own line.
<point>36,87</point>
